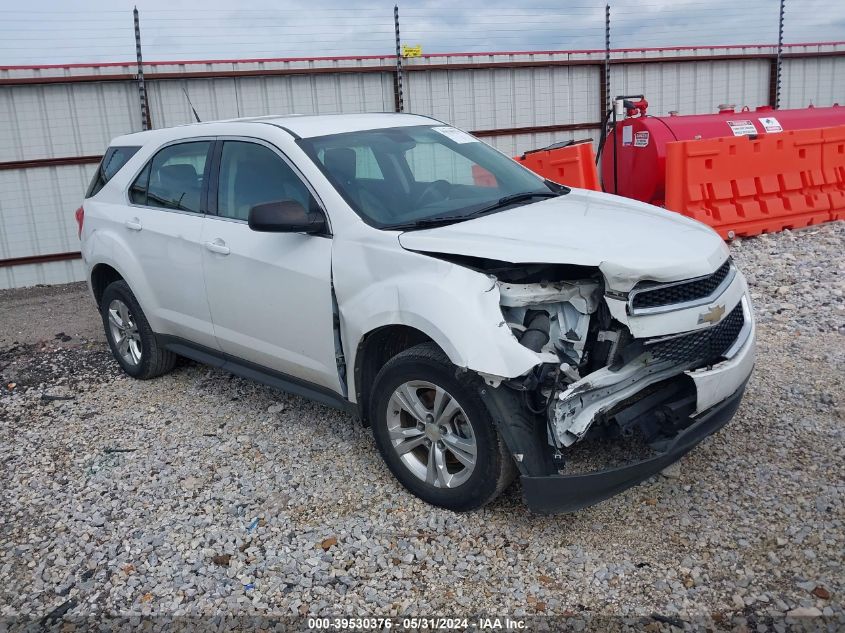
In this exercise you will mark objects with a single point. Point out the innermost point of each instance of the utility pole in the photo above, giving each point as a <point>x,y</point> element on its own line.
<point>142,89</point>
<point>779,62</point>
<point>607,99</point>
<point>400,105</point>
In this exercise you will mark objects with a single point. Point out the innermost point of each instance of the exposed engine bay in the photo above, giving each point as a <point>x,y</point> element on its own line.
<point>595,377</point>
<point>603,325</point>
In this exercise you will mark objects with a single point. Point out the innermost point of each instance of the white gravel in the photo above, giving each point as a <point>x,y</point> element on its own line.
<point>200,493</point>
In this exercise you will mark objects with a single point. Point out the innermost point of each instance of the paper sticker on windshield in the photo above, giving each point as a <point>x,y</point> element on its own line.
<point>742,128</point>
<point>770,124</point>
<point>641,139</point>
<point>459,136</point>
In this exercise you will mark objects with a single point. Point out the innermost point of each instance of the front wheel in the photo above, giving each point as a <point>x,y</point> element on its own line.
<point>435,434</point>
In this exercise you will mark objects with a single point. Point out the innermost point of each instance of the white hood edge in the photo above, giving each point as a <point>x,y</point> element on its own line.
<point>627,240</point>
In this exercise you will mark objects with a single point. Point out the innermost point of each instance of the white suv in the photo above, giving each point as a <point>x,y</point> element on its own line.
<point>482,320</point>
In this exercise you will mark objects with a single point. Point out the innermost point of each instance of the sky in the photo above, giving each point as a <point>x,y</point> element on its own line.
<point>79,31</point>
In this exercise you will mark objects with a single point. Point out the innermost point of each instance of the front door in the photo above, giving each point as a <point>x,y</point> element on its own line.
<point>270,294</point>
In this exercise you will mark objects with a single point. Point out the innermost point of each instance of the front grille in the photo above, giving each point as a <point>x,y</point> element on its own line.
<point>682,292</point>
<point>704,345</point>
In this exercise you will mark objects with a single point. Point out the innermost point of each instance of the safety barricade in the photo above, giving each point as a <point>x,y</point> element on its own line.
<point>833,164</point>
<point>572,165</point>
<point>744,186</point>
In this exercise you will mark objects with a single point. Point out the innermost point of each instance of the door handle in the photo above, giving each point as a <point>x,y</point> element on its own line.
<point>133,225</point>
<point>217,246</point>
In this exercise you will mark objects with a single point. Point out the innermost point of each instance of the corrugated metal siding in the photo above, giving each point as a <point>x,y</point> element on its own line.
<point>820,81</point>
<point>64,120</point>
<point>74,70</point>
<point>37,217</point>
<point>516,144</point>
<point>79,119</point>
<point>48,274</point>
<point>694,87</point>
<point>255,96</point>
<point>506,98</point>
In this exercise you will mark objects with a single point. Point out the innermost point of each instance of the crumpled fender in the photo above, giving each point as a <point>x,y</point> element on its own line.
<point>456,307</point>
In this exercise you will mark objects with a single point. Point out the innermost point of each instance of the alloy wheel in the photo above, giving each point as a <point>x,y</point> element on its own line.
<point>431,434</point>
<point>124,332</point>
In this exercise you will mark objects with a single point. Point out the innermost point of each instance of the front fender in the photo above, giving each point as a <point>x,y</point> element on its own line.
<point>456,307</point>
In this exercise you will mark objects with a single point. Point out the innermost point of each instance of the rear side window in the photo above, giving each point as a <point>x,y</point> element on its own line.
<point>113,160</point>
<point>173,179</point>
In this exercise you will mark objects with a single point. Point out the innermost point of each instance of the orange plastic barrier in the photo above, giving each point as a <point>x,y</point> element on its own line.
<point>483,178</point>
<point>746,186</point>
<point>833,166</point>
<point>573,165</point>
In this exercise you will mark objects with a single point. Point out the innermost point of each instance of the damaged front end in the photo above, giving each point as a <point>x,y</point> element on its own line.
<point>600,383</point>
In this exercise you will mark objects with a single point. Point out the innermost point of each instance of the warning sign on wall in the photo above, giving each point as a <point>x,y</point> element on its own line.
<point>742,128</point>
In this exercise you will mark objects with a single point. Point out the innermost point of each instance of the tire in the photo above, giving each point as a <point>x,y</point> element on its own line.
<point>138,353</point>
<point>425,372</point>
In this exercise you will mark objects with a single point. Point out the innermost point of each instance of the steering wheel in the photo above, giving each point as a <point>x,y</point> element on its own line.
<point>434,192</point>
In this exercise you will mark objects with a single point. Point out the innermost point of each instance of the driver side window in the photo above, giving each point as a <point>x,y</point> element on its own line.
<point>252,174</point>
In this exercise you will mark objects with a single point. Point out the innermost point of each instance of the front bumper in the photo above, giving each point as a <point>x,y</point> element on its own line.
<point>717,383</point>
<point>567,493</point>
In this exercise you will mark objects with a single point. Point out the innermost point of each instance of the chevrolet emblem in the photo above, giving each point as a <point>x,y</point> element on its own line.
<point>713,315</point>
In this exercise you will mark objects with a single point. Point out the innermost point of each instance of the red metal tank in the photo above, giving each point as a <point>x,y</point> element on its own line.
<point>641,141</point>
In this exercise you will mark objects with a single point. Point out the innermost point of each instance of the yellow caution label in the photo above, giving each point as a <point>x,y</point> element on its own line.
<point>412,51</point>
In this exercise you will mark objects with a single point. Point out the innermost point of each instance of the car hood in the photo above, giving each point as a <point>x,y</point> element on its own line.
<point>627,240</point>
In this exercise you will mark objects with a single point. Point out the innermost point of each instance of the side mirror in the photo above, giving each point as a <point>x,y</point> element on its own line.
<point>285,216</point>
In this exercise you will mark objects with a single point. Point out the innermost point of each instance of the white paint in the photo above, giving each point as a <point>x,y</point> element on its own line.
<point>269,299</point>
<point>627,240</point>
<point>714,385</point>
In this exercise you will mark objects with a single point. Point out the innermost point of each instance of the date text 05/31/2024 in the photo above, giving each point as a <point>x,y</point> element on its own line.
<point>423,623</point>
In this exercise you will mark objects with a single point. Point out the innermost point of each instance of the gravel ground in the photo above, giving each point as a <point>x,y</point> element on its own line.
<point>200,493</point>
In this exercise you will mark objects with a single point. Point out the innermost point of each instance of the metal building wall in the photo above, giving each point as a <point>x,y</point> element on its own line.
<point>818,81</point>
<point>694,87</point>
<point>233,97</point>
<point>36,217</point>
<point>53,121</point>
<point>500,100</point>
<point>56,121</point>
<point>61,120</point>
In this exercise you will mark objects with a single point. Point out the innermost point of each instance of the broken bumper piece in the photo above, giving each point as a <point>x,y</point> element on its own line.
<point>567,493</point>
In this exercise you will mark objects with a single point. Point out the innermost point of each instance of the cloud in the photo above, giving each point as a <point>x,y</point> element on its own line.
<point>92,30</point>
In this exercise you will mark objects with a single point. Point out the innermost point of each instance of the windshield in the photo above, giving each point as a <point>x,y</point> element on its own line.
<point>407,176</point>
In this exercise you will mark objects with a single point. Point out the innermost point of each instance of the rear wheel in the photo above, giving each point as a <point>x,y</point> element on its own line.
<point>132,341</point>
<point>434,432</point>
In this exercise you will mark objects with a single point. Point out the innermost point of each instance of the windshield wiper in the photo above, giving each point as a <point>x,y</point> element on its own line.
<point>441,220</point>
<point>516,197</point>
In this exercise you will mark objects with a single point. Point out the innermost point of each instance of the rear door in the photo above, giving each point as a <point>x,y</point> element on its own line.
<point>163,228</point>
<point>270,294</point>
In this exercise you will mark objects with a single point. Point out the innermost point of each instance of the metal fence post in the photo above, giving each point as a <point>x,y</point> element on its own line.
<point>400,105</point>
<point>607,104</point>
<point>146,124</point>
<point>779,62</point>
